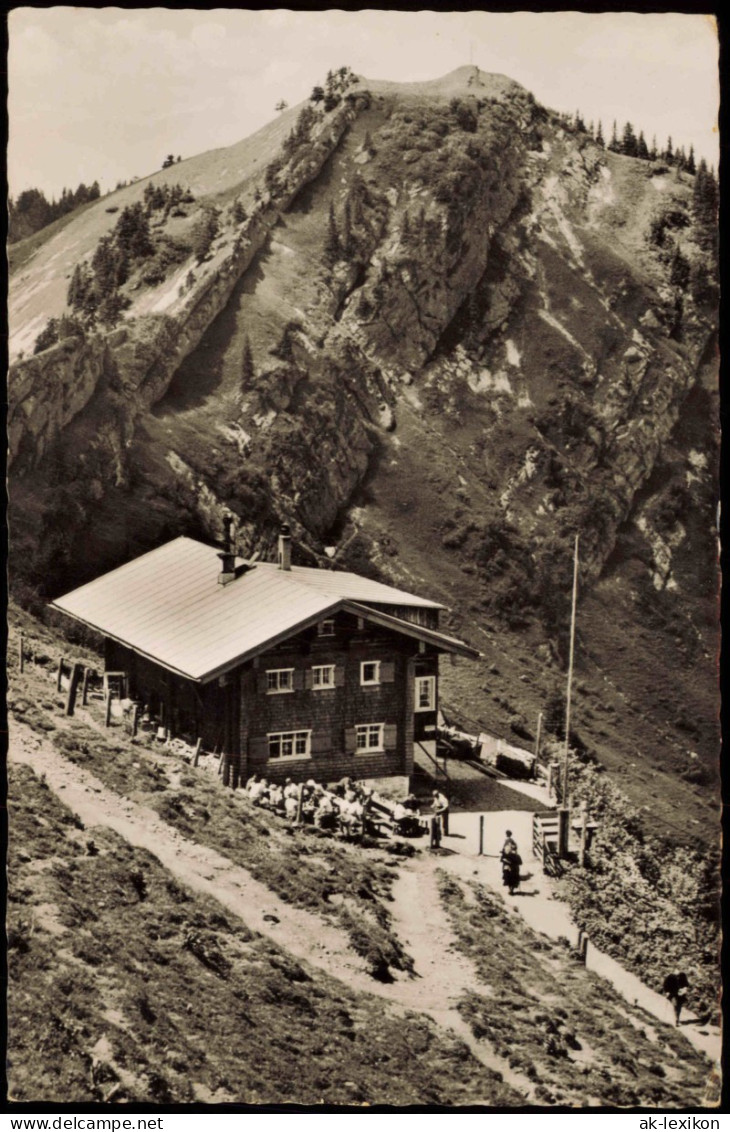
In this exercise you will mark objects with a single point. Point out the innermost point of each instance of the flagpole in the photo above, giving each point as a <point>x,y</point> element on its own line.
<point>563,828</point>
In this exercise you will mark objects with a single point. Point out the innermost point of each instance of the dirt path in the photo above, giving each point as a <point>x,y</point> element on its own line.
<point>304,934</point>
<point>544,913</point>
<point>442,972</point>
<point>419,919</point>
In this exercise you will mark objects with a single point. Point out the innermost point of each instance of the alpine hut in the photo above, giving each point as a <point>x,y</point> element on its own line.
<point>289,671</point>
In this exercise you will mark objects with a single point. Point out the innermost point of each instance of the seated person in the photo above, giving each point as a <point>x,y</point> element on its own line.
<point>291,805</point>
<point>351,817</point>
<point>276,796</point>
<point>259,792</point>
<point>405,821</point>
<point>309,803</point>
<point>325,816</point>
<point>291,789</point>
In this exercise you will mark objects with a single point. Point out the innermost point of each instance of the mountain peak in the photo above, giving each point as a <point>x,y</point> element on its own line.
<point>467,79</point>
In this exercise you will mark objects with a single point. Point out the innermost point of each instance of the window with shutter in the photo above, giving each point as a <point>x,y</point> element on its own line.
<point>279,680</point>
<point>289,745</point>
<point>369,672</point>
<point>339,676</point>
<point>298,680</point>
<point>323,676</point>
<point>368,737</point>
<point>350,740</point>
<point>387,672</point>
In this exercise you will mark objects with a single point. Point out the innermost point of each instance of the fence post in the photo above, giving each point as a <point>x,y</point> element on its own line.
<point>481,835</point>
<point>135,718</point>
<point>226,769</point>
<point>108,709</point>
<point>21,653</point>
<point>539,736</point>
<point>583,834</point>
<point>72,686</point>
<point>196,756</point>
<point>85,687</point>
<point>60,674</point>
<point>583,946</point>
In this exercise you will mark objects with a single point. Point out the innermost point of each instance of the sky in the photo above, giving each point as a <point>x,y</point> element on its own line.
<point>105,93</point>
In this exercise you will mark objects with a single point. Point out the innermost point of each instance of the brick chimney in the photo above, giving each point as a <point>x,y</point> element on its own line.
<point>284,553</point>
<point>228,554</point>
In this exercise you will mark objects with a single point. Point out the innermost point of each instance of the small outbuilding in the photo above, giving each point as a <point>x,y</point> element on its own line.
<point>289,671</point>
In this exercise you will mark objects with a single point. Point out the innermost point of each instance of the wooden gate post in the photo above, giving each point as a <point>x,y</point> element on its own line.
<point>481,835</point>
<point>226,769</point>
<point>108,709</point>
<point>21,653</point>
<point>563,831</point>
<point>196,756</point>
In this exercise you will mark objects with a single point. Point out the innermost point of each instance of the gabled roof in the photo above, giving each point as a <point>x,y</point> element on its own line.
<point>168,605</point>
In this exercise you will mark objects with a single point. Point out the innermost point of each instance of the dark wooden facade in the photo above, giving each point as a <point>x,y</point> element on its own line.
<point>239,713</point>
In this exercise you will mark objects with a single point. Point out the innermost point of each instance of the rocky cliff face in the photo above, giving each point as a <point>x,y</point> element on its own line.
<point>464,349</point>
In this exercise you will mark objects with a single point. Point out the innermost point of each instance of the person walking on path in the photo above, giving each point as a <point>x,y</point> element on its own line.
<point>441,808</point>
<point>675,988</point>
<point>511,862</point>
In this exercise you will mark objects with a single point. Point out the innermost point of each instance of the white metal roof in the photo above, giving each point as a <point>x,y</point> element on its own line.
<point>169,606</point>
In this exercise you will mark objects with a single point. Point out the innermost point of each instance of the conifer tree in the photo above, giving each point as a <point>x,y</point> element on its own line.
<point>642,149</point>
<point>204,232</point>
<point>332,246</point>
<point>613,144</point>
<point>600,140</point>
<point>628,141</point>
<point>668,154</point>
<point>653,150</point>
<point>704,207</point>
<point>679,271</point>
<point>238,212</point>
<point>347,240</point>
<point>690,166</point>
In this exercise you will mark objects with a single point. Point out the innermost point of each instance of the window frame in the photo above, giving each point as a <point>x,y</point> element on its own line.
<point>370,750</point>
<point>276,690</point>
<point>272,736</point>
<point>323,668</point>
<point>322,632</point>
<point>431,706</point>
<point>370,683</point>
